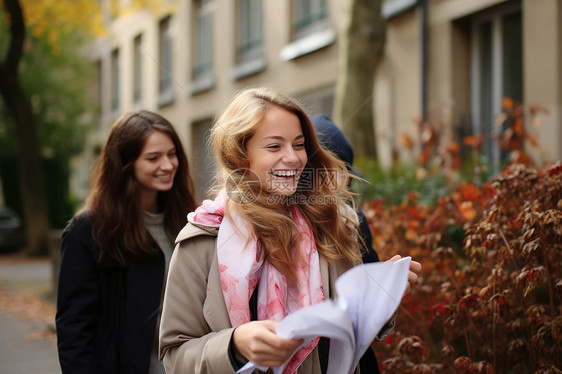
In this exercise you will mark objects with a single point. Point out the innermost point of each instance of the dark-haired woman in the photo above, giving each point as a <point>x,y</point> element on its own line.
<point>116,250</point>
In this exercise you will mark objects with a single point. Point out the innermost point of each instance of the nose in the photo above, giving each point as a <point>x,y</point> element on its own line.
<point>290,156</point>
<point>166,164</point>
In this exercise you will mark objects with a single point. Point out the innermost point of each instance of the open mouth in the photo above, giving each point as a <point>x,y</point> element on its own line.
<point>284,173</point>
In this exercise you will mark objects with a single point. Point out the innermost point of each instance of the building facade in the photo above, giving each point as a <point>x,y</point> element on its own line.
<point>453,61</point>
<point>186,59</point>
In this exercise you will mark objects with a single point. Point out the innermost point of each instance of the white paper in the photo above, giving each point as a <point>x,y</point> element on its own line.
<point>368,296</point>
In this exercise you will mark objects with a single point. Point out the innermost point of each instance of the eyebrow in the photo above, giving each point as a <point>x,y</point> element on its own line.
<point>158,152</point>
<point>277,137</point>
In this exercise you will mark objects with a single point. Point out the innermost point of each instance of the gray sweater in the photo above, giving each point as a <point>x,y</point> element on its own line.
<point>155,226</point>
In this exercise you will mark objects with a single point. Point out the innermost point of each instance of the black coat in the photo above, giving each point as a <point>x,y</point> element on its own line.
<point>368,362</point>
<point>106,313</point>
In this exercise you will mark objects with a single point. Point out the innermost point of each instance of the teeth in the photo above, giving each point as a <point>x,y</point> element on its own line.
<point>285,173</point>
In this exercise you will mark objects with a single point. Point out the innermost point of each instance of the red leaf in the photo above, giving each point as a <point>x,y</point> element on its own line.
<point>507,103</point>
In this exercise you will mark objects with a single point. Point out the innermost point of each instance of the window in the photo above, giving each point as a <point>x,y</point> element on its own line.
<point>115,77</point>
<point>203,162</point>
<point>204,38</point>
<point>165,58</point>
<point>310,15</point>
<point>249,29</point>
<point>97,90</point>
<point>249,51</point>
<point>497,72</point>
<point>137,69</point>
<point>311,29</point>
<point>393,8</point>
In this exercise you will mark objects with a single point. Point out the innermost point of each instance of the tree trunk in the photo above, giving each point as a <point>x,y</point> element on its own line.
<point>362,41</point>
<point>34,202</point>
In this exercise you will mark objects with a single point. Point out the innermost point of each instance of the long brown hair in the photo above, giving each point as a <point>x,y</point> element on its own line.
<point>333,223</point>
<point>114,199</point>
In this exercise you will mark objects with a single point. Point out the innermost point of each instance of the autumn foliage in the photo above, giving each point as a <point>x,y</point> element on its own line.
<point>490,294</point>
<point>53,18</point>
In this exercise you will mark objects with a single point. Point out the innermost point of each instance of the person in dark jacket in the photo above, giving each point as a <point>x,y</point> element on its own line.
<point>116,250</point>
<point>333,139</point>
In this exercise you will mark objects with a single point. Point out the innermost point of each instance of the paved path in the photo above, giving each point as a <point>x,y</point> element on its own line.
<point>20,350</point>
<point>21,355</point>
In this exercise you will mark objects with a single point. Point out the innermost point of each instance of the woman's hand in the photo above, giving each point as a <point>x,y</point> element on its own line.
<point>415,268</point>
<point>257,342</point>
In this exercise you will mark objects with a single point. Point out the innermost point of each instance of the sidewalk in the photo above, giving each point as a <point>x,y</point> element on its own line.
<point>27,312</point>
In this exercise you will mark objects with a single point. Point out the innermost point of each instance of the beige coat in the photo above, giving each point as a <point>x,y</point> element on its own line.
<point>195,329</point>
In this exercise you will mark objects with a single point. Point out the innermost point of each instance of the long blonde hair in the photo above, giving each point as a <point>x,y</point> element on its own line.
<point>321,200</point>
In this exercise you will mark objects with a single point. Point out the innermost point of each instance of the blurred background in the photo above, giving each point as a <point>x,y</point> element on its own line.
<point>432,94</point>
<point>396,75</point>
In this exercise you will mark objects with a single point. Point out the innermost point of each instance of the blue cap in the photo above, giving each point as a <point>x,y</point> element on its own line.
<point>332,139</point>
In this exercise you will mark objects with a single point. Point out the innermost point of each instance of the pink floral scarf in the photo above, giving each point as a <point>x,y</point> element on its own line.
<point>242,266</point>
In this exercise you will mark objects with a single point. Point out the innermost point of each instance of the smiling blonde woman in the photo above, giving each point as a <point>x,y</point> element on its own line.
<point>243,263</point>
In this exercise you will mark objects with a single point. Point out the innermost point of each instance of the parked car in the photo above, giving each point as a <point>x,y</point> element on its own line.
<point>12,237</point>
